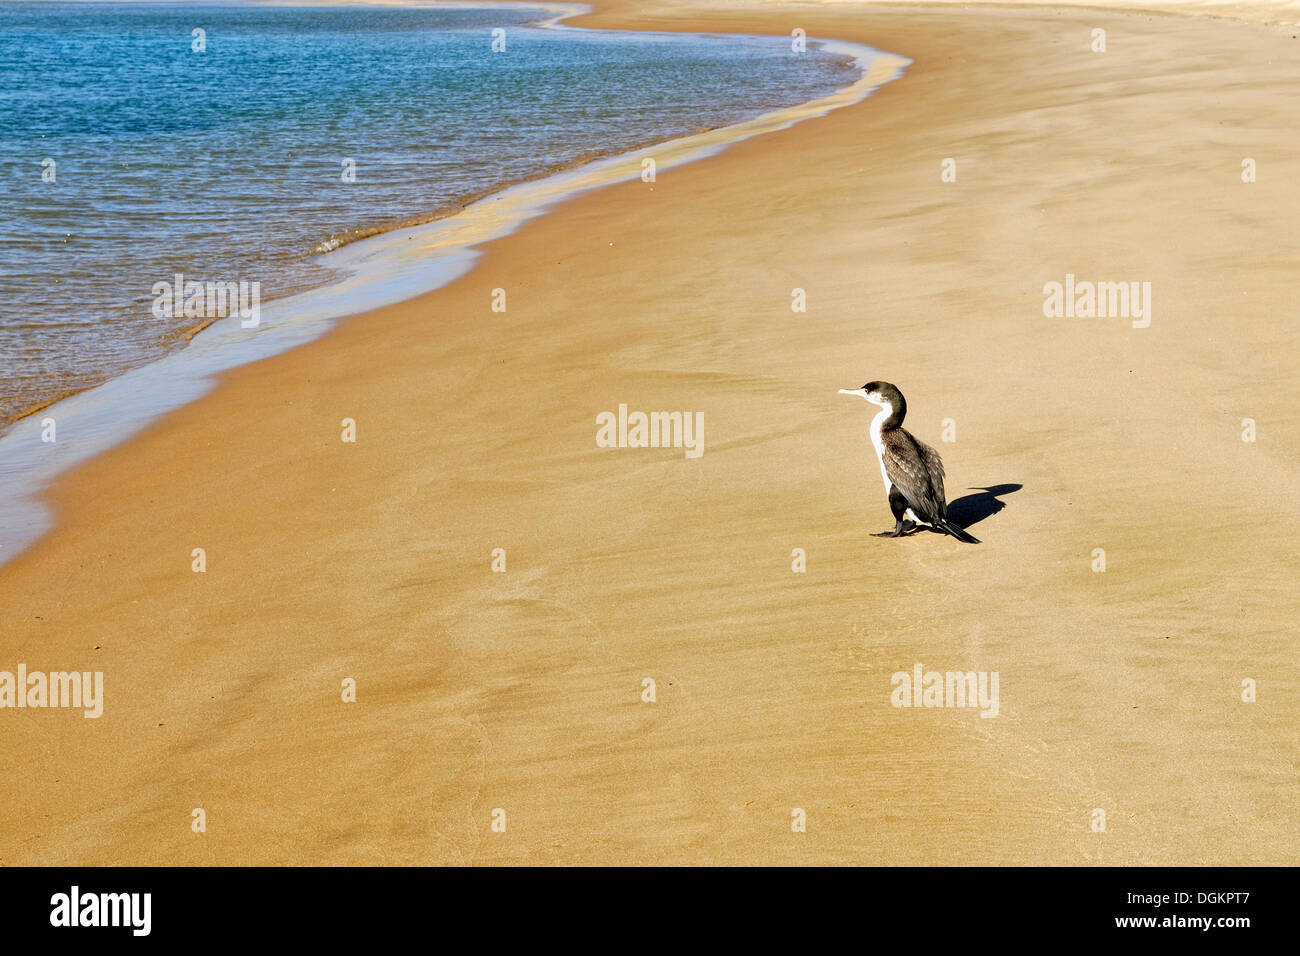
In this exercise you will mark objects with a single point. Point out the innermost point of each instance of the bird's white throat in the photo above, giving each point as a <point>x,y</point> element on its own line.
<point>877,426</point>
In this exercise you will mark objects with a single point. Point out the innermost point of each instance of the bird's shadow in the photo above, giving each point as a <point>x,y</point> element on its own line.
<point>972,509</point>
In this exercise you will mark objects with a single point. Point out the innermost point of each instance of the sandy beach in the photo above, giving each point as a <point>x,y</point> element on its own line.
<point>477,690</point>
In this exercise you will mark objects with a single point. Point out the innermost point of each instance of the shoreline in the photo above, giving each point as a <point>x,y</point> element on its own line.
<point>378,259</point>
<point>522,690</point>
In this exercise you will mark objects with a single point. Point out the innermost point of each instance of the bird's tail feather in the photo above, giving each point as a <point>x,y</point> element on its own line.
<point>959,533</point>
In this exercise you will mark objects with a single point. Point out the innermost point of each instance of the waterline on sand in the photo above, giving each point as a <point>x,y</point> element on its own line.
<point>374,272</point>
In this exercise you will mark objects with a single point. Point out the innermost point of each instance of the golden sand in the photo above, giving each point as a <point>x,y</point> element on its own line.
<point>522,690</point>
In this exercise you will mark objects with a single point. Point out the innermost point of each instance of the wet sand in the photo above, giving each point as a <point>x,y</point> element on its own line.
<point>522,690</point>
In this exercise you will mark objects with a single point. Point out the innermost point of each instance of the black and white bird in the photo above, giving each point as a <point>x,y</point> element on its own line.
<point>912,470</point>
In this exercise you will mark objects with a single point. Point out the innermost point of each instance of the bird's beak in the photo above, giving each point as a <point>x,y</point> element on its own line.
<point>861,393</point>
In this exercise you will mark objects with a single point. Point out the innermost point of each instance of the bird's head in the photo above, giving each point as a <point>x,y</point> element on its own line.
<point>877,393</point>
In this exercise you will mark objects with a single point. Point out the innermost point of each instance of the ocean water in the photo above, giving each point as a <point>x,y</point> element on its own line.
<point>130,156</point>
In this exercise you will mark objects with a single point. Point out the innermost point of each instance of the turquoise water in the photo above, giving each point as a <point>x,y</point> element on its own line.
<point>226,164</point>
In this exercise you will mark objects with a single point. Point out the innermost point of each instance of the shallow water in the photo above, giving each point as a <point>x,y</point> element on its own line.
<point>227,164</point>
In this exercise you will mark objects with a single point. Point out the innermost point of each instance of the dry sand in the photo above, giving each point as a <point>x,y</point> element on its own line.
<point>522,690</point>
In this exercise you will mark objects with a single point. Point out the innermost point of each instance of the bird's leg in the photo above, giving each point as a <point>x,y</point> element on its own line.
<point>898,532</point>
<point>898,505</point>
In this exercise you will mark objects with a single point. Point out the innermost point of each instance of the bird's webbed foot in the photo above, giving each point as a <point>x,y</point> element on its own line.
<point>900,529</point>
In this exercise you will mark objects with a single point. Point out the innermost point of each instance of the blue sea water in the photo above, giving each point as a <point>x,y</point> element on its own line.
<point>227,163</point>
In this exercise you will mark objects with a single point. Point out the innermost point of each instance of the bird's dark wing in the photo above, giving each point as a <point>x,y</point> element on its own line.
<point>916,471</point>
<point>935,466</point>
